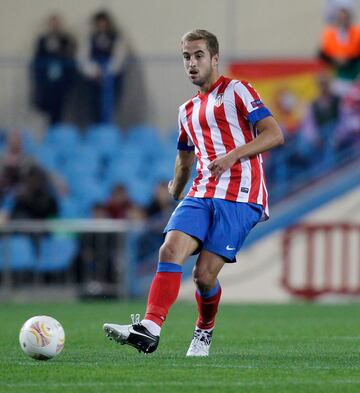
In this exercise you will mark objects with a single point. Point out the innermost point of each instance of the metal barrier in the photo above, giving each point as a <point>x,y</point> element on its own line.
<point>65,259</point>
<point>321,259</point>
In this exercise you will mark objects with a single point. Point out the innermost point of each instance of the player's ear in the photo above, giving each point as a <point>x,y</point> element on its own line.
<point>215,60</point>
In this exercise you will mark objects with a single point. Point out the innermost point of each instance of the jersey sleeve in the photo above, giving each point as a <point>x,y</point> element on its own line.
<point>249,103</point>
<point>184,142</point>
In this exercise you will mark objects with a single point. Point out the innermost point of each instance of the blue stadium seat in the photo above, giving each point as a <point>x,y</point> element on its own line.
<point>140,192</point>
<point>28,141</point>
<point>88,191</point>
<point>17,253</point>
<point>106,138</point>
<point>47,157</point>
<point>144,135</point>
<point>148,140</point>
<point>70,208</point>
<point>64,138</point>
<point>75,167</point>
<point>123,169</point>
<point>56,253</point>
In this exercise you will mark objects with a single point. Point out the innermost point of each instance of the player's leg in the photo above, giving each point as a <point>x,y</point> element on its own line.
<point>232,222</point>
<point>185,232</point>
<point>164,290</point>
<point>144,335</point>
<point>207,294</point>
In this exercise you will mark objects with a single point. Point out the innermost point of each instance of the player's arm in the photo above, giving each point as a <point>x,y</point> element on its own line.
<point>269,136</point>
<point>182,173</point>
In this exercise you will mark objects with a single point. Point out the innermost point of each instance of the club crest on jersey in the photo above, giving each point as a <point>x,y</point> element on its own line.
<point>219,99</point>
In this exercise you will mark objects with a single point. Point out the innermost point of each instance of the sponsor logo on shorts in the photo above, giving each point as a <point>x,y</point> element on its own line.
<point>229,248</point>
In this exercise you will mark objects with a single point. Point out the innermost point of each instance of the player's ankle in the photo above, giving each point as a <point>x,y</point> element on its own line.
<point>151,326</point>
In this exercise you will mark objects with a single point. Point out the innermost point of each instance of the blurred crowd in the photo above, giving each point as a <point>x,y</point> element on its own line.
<point>319,134</point>
<point>83,80</point>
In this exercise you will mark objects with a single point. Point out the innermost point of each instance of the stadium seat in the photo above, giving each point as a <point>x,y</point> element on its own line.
<point>106,138</point>
<point>28,140</point>
<point>64,139</point>
<point>124,168</point>
<point>85,162</point>
<point>144,134</point>
<point>140,191</point>
<point>88,191</point>
<point>47,157</point>
<point>70,208</point>
<point>56,252</point>
<point>17,253</point>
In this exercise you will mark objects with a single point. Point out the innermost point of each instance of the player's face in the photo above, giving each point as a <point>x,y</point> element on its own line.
<point>199,65</point>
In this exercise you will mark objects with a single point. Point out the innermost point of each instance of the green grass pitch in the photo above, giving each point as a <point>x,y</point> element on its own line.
<point>256,348</point>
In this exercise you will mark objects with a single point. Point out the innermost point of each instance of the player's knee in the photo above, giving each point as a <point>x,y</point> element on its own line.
<point>203,279</point>
<point>169,252</point>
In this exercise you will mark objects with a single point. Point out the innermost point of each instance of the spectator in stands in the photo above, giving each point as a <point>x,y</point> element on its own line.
<point>340,48</point>
<point>289,112</point>
<point>348,132</point>
<point>97,252</point>
<point>161,206</point>
<point>158,213</point>
<point>119,204</point>
<point>18,171</point>
<point>281,163</point>
<point>318,130</point>
<point>103,62</point>
<point>14,162</point>
<point>34,198</point>
<point>53,69</point>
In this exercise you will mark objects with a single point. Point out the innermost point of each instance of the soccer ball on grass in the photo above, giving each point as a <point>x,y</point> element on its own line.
<point>42,337</point>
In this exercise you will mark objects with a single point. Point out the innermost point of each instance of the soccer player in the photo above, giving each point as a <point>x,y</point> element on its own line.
<point>226,127</point>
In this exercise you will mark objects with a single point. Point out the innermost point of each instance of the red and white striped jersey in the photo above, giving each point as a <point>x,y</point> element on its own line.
<point>215,123</point>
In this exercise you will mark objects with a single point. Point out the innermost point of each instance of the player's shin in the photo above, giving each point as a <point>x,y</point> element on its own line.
<point>164,291</point>
<point>207,303</point>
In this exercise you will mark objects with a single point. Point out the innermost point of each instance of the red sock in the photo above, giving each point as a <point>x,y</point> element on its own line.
<point>163,292</point>
<point>207,307</point>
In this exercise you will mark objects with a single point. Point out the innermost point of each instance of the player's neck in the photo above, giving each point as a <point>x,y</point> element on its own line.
<point>210,83</point>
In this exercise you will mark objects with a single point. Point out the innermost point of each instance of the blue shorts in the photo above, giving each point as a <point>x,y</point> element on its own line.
<point>221,226</point>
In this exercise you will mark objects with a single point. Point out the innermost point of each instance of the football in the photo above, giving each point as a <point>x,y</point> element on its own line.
<point>42,337</point>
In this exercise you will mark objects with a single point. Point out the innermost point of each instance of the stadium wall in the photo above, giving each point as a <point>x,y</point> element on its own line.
<point>257,275</point>
<point>155,27</point>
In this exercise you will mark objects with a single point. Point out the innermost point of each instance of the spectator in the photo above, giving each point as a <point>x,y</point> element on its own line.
<point>103,65</point>
<point>321,121</point>
<point>95,263</point>
<point>53,69</point>
<point>119,204</point>
<point>161,206</point>
<point>18,171</point>
<point>14,162</point>
<point>34,198</point>
<point>340,48</point>
<point>348,133</point>
<point>158,212</point>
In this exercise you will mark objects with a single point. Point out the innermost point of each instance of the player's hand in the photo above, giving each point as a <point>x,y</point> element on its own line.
<point>172,191</point>
<point>222,164</point>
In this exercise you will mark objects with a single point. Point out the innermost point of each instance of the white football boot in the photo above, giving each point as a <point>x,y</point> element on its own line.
<point>200,344</point>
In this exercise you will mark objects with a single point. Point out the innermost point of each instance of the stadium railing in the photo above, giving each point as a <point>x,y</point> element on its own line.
<point>321,259</point>
<point>65,259</point>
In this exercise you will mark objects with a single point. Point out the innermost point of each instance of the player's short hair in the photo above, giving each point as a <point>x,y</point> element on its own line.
<point>212,42</point>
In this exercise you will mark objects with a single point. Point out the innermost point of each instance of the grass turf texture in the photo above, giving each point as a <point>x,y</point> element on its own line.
<point>256,348</point>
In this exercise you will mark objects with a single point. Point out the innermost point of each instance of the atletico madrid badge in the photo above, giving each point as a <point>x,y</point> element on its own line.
<point>219,99</point>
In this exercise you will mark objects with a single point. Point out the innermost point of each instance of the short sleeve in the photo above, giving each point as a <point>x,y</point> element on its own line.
<point>249,103</point>
<point>184,142</point>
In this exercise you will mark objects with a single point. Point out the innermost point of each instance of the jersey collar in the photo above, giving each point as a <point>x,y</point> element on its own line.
<point>212,88</point>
